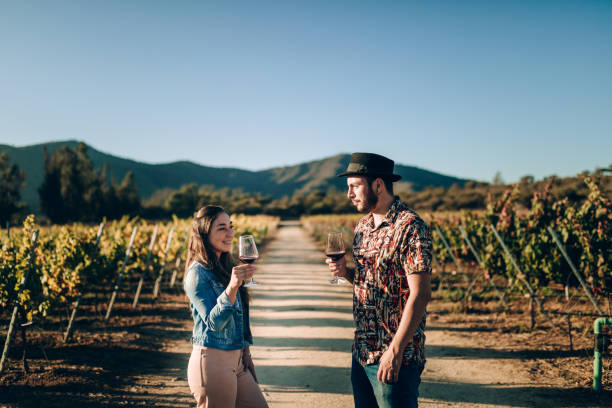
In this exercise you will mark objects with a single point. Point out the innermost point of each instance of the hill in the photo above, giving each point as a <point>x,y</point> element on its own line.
<point>274,182</point>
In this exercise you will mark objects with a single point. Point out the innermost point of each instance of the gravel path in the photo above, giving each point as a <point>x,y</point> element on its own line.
<point>302,326</point>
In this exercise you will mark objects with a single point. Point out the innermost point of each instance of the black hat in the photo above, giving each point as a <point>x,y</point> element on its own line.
<point>370,164</point>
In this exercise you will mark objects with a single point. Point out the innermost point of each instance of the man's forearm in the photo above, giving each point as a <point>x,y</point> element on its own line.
<point>411,318</point>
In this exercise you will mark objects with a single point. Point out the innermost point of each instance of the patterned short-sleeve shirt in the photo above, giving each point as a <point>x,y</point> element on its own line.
<point>384,256</point>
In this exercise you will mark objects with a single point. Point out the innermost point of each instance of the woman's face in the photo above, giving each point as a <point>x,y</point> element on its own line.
<point>221,234</point>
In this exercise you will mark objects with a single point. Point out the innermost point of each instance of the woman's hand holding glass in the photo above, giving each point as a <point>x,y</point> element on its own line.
<point>240,273</point>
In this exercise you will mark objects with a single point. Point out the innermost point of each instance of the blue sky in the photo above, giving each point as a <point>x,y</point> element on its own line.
<point>465,88</point>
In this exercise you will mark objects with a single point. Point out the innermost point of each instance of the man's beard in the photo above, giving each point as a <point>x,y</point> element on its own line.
<point>371,200</point>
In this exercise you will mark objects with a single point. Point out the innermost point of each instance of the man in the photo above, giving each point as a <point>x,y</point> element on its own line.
<point>392,250</point>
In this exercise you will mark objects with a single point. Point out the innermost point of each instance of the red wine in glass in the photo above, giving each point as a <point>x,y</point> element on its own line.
<point>335,250</point>
<point>248,259</point>
<point>335,256</point>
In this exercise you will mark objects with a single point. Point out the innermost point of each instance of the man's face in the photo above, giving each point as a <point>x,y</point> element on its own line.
<point>361,194</point>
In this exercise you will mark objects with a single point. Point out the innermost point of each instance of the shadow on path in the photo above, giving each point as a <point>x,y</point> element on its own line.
<point>474,353</point>
<point>330,297</point>
<point>526,396</point>
<point>292,308</point>
<point>310,378</point>
<point>312,322</point>
<point>319,344</point>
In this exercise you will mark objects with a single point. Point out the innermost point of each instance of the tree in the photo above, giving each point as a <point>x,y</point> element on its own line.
<point>127,195</point>
<point>11,181</point>
<point>73,190</point>
<point>497,179</point>
<point>184,202</point>
<point>62,190</point>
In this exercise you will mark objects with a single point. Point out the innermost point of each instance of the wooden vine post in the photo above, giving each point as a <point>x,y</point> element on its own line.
<point>177,263</point>
<point>128,252</point>
<point>481,263</point>
<point>521,275</point>
<point>146,268</point>
<point>77,303</point>
<point>575,270</point>
<point>454,258</point>
<point>11,328</point>
<point>162,266</point>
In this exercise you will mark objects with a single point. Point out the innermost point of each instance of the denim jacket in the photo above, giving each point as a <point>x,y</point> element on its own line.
<point>216,322</point>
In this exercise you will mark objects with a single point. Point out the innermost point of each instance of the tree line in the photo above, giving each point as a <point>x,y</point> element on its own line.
<point>74,190</point>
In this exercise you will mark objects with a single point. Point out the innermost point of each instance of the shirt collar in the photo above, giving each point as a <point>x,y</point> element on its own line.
<point>389,217</point>
<point>394,209</point>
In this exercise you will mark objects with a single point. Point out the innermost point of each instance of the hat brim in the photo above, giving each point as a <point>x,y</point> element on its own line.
<point>393,177</point>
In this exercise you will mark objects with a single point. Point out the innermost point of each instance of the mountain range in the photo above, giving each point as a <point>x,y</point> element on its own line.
<point>275,182</point>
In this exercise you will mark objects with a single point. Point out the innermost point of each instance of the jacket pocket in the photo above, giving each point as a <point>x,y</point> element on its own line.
<point>217,286</point>
<point>229,329</point>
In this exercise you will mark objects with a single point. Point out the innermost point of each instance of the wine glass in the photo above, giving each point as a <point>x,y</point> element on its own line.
<point>335,250</point>
<point>247,252</point>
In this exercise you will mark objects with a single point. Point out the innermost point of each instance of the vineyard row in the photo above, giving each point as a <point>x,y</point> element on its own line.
<point>532,249</point>
<point>44,269</point>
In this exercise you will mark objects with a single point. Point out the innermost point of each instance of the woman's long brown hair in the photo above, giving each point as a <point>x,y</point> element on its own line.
<point>200,250</point>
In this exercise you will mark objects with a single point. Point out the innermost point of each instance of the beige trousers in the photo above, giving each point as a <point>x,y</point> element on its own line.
<point>218,379</point>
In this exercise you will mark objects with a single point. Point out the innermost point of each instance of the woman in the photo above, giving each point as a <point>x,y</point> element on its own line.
<point>221,372</point>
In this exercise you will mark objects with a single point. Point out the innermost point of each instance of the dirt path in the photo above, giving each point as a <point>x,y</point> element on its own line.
<point>461,373</point>
<point>302,326</point>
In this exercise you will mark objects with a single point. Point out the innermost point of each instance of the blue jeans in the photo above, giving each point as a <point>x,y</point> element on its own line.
<point>368,392</point>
